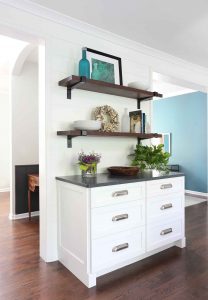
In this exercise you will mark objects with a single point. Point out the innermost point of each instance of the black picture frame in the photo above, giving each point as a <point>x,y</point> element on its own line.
<point>112,57</point>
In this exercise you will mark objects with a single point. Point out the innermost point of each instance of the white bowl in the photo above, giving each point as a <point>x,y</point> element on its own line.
<point>139,85</point>
<point>87,124</point>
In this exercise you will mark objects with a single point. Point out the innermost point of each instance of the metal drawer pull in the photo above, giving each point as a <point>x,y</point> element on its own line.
<point>166,186</point>
<point>166,231</point>
<point>120,247</point>
<point>120,193</point>
<point>166,206</point>
<point>120,217</point>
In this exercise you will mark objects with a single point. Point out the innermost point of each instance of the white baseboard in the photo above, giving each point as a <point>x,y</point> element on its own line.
<point>197,194</point>
<point>23,216</point>
<point>5,190</point>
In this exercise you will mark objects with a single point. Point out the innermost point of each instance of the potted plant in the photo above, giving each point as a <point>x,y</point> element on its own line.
<point>88,163</point>
<point>150,157</point>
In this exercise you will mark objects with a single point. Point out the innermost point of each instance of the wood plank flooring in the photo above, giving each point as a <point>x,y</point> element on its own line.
<point>174,274</point>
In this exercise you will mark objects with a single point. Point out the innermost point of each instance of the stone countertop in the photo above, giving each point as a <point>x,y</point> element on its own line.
<point>106,179</point>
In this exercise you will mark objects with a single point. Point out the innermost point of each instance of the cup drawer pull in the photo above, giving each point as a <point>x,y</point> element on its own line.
<point>120,247</point>
<point>166,231</point>
<point>166,206</point>
<point>120,193</point>
<point>120,217</point>
<point>166,186</point>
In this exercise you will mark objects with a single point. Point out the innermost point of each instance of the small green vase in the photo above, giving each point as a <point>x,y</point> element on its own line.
<point>84,65</point>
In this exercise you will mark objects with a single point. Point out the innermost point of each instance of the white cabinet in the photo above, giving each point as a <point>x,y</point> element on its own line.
<point>163,187</point>
<point>115,194</point>
<point>116,218</point>
<point>163,233</point>
<point>165,212</point>
<point>114,249</point>
<point>165,207</point>
<point>104,228</point>
<point>117,224</point>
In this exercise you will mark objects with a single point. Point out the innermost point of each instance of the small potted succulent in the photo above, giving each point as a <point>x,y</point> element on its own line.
<point>88,163</point>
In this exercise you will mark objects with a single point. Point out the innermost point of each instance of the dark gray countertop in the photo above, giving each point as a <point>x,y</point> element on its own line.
<point>106,179</point>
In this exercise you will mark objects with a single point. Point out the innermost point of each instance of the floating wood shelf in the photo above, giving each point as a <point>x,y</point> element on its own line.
<point>83,83</point>
<point>75,133</point>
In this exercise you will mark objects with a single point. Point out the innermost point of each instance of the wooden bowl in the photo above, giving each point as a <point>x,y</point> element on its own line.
<point>123,171</point>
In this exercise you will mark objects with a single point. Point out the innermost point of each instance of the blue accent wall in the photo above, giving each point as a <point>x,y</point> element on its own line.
<point>185,117</point>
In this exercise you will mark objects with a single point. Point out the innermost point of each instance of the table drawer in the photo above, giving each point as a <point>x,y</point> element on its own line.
<point>116,218</point>
<point>115,249</point>
<point>164,207</point>
<point>165,186</point>
<point>159,235</point>
<point>114,194</point>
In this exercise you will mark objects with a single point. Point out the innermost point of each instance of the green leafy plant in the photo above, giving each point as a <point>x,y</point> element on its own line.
<point>151,157</point>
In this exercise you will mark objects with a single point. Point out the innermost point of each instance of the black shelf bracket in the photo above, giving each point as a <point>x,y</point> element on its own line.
<point>69,138</point>
<point>138,141</point>
<point>75,85</point>
<point>69,141</point>
<point>84,132</point>
<point>141,99</point>
<point>138,103</point>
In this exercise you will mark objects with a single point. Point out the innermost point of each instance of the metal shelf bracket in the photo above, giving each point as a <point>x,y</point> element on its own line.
<point>75,85</point>
<point>69,141</point>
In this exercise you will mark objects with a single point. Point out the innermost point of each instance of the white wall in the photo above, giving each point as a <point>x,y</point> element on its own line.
<point>4,134</point>
<point>63,49</point>
<point>24,99</point>
<point>62,59</point>
<point>25,115</point>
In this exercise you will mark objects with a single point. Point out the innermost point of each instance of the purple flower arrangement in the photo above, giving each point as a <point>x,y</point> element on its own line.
<point>89,159</point>
<point>88,163</point>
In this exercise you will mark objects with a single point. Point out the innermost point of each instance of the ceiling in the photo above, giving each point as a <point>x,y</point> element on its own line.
<point>177,27</point>
<point>169,89</point>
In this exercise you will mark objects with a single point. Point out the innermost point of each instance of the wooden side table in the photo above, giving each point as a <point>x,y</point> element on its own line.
<point>33,181</point>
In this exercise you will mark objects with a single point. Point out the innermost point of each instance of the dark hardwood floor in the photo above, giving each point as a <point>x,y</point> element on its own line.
<point>173,274</point>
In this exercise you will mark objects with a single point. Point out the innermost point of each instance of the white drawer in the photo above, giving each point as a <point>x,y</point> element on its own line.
<point>115,249</point>
<point>165,186</point>
<point>116,218</point>
<point>160,208</point>
<point>162,234</point>
<point>114,194</point>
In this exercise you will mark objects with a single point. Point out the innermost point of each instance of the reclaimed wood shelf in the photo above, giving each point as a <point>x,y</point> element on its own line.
<point>83,83</point>
<point>75,133</point>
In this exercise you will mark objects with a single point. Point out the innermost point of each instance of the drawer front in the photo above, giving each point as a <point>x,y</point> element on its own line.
<point>115,249</point>
<point>108,220</point>
<point>160,208</point>
<point>114,194</point>
<point>165,186</point>
<point>162,234</point>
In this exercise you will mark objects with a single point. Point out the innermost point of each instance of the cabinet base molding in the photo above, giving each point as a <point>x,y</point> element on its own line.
<point>90,279</point>
<point>181,243</point>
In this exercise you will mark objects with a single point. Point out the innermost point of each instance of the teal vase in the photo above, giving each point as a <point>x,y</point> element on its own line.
<point>84,65</point>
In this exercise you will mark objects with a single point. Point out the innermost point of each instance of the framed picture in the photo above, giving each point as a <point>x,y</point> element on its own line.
<point>165,140</point>
<point>135,121</point>
<point>105,67</point>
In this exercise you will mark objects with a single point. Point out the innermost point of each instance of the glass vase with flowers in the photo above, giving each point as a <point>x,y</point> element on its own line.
<point>88,163</point>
